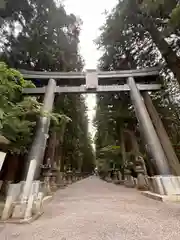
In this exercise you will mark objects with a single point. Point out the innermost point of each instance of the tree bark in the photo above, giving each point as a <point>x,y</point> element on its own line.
<point>134,143</point>
<point>9,172</point>
<point>123,151</point>
<point>51,148</point>
<point>172,60</point>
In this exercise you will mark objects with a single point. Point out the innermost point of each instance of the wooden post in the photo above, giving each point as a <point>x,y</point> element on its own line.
<point>162,134</point>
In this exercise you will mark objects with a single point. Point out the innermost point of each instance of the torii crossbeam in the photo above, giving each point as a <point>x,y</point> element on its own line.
<point>93,81</point>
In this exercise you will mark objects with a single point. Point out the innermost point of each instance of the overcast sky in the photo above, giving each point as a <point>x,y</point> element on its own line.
<point>91,13</point>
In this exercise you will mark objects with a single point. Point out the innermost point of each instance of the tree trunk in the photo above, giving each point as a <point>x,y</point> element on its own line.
<point>134,143</point>
<point>10,168</point>
<point>172,60</point>
<point>123,151</point>
<point>58,160</point>
<point>58,153</point>
<point>52,147</point>
<point>62,163</point>
<point>50,151</point>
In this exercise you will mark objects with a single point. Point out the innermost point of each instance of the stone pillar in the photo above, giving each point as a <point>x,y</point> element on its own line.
<point>53,182</point>
<point>162,134</point>
<point>148,129</point>
<point>78,175</point>
<point>129,181</point>
<point>47,177</point>
<point>165,185</point>
<point>60,179</point>
<point>108,177</point>
<point>38,147</point>
<point>65,178</point>
<point>74,176</point>
<point>69,177</point>
<point>119,175</point>
<point>142,180</point>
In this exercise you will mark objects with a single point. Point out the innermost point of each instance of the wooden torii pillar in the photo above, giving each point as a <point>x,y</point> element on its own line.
<point>91,81</point>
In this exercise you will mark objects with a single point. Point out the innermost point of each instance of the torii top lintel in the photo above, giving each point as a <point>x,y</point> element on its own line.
<point>95,80</point>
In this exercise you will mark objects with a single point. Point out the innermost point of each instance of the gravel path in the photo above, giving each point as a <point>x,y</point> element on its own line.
<point>95,210</point>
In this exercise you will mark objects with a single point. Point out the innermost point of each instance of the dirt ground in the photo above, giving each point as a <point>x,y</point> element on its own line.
<point>95,210</point>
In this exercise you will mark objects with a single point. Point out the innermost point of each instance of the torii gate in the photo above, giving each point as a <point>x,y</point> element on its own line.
<point>92,81</point>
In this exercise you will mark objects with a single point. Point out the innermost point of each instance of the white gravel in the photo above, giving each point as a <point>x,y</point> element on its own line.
<point>95,210</point>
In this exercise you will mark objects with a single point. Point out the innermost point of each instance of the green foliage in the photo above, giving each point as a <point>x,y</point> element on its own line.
<point>14,110</point>
<point>103,165</point>
<point>113,149</point>
<point>110,156</point>
<point>58,120</point>
<point>47,40</point>
<point>175,17</point>
<point>18,114</point>
<point>78,152</point>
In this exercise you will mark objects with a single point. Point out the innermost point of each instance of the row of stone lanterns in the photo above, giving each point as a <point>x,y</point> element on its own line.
<point>139,179</point>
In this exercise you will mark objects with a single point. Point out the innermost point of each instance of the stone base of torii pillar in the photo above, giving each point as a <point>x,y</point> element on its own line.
<point>18,212</point>
<point>164,188</point>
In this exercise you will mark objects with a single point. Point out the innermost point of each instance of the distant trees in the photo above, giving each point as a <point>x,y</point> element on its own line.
<point>139,34</point>
<point>39,35</point>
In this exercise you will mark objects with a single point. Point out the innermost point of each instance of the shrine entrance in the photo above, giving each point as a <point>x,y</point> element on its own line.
<point>138,83</point>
